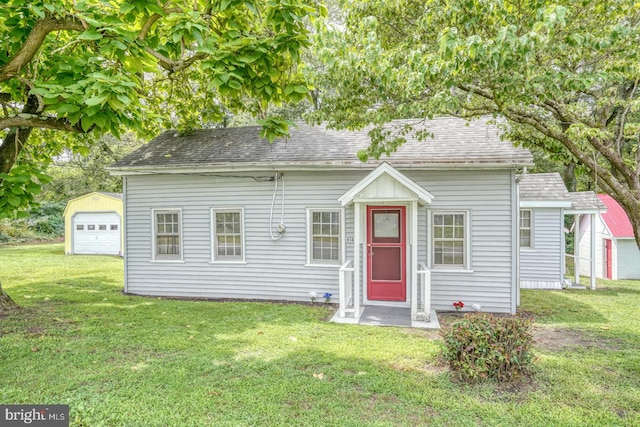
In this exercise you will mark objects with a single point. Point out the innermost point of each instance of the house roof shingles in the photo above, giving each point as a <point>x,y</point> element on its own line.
<point>455,142</point>
<point>616,218</point>
<point>115,195</point>
<point>586,201</point>
<point>543,186</point>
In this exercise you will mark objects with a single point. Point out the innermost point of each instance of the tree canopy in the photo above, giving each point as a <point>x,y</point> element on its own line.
<point>71,70</point>
<point>560,75</point>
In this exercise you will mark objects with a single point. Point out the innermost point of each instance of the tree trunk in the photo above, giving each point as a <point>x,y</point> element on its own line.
<point>15,139</point>
<point>6,303</point>
<point>632,208</point>
<point>570,176</point>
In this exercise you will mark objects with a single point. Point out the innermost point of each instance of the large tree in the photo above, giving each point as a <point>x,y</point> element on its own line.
<point>559,75</point>
<point>71,70</point>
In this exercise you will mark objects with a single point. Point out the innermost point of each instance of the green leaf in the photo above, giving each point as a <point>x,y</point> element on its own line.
<point>13,201</point>
<point>234,84</point>
<point>90,35</point>
<point>95,100</point>
<point>66,108</point>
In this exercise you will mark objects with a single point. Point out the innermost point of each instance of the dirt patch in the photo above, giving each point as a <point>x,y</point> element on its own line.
<point>557,339</point>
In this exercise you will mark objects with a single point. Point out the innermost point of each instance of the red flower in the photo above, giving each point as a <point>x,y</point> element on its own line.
<point>458,305</point>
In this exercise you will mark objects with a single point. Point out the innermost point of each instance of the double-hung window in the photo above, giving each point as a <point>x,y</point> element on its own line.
<point>167,234</point>
<point>450,239</point>
<point>525,228</point>
<point>228,235</point>
<point>325,231</point>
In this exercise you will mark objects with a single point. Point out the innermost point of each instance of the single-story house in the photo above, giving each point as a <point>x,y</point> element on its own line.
<point>93,225</point>
<point>543,201</point>
<point>616,253</point>
<point>221,213</point>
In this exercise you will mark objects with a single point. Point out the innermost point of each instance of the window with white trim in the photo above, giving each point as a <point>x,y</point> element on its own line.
<point>167,235</point>
<point>325,236</point>
<point>449,231</point>
<point>228,234</point>
<point>525,228</point>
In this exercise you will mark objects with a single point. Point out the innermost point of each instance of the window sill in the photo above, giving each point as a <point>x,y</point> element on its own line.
<point>323,265</point>
<point>167,261</point>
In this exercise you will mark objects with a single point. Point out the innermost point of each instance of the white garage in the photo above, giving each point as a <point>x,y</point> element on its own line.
<point>96,233</point>
<point>93,225</point>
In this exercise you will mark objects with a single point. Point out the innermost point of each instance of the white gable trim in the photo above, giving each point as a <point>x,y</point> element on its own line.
<point>422,195</point>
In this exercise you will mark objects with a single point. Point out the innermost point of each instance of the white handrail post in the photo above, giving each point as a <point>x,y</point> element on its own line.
<point>414,299</point>
<point>343,293</point>
<point>356,294</point>
<point>426,294</point>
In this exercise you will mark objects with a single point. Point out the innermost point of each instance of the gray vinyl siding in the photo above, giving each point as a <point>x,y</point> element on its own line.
<point>628,259</point>
<point>276,269</point>
<point>273,269</point>
<point>543,261</point>
<point>487,196</point>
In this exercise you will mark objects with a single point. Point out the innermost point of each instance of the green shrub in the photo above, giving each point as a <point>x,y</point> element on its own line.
<point>44,222</point>
<point>486,346</point>
<point>47,219</point>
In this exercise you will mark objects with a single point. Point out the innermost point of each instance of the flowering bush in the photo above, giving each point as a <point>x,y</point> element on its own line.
<point>458,305</point>
<point>327,297</point>
<point>485,346</point>
<point>313,296</point>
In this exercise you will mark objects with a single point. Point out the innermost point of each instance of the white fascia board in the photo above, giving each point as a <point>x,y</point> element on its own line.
<point>545,203</point>
<point>584,211</point>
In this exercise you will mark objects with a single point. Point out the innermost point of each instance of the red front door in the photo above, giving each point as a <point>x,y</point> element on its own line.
<point>607,260</point>
<point>386,253</point>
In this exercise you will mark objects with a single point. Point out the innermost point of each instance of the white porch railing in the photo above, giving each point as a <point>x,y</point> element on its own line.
<point>349,292</point>
<point>421,296</point>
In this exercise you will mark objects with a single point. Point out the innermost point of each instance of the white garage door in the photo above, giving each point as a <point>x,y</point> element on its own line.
<point>96,233</point>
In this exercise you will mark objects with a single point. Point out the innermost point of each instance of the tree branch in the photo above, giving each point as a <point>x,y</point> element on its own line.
<point>33,42</point>
<point>612,182</point>
<point>175,66</point>
<point>37,121</point>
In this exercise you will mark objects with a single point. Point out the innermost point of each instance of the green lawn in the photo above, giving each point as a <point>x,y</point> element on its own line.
<point>129,361</point>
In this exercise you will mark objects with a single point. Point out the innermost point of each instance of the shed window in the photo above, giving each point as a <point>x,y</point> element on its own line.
<point>102,227</point>
<point>80,227</point>
<point>167,235</point>
<point>91,227</point>
<point>228,235</point>
<point>325,236</point>
<point>450,239</point>
<point>114,227</point>
<point>525,228</point>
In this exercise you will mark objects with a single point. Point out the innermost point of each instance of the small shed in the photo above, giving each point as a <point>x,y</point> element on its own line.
<point>616,253</point>
<point>543,201</point>
<point>93,225</point>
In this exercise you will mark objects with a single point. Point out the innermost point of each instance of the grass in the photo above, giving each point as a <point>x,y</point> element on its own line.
<point>130,361</point>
